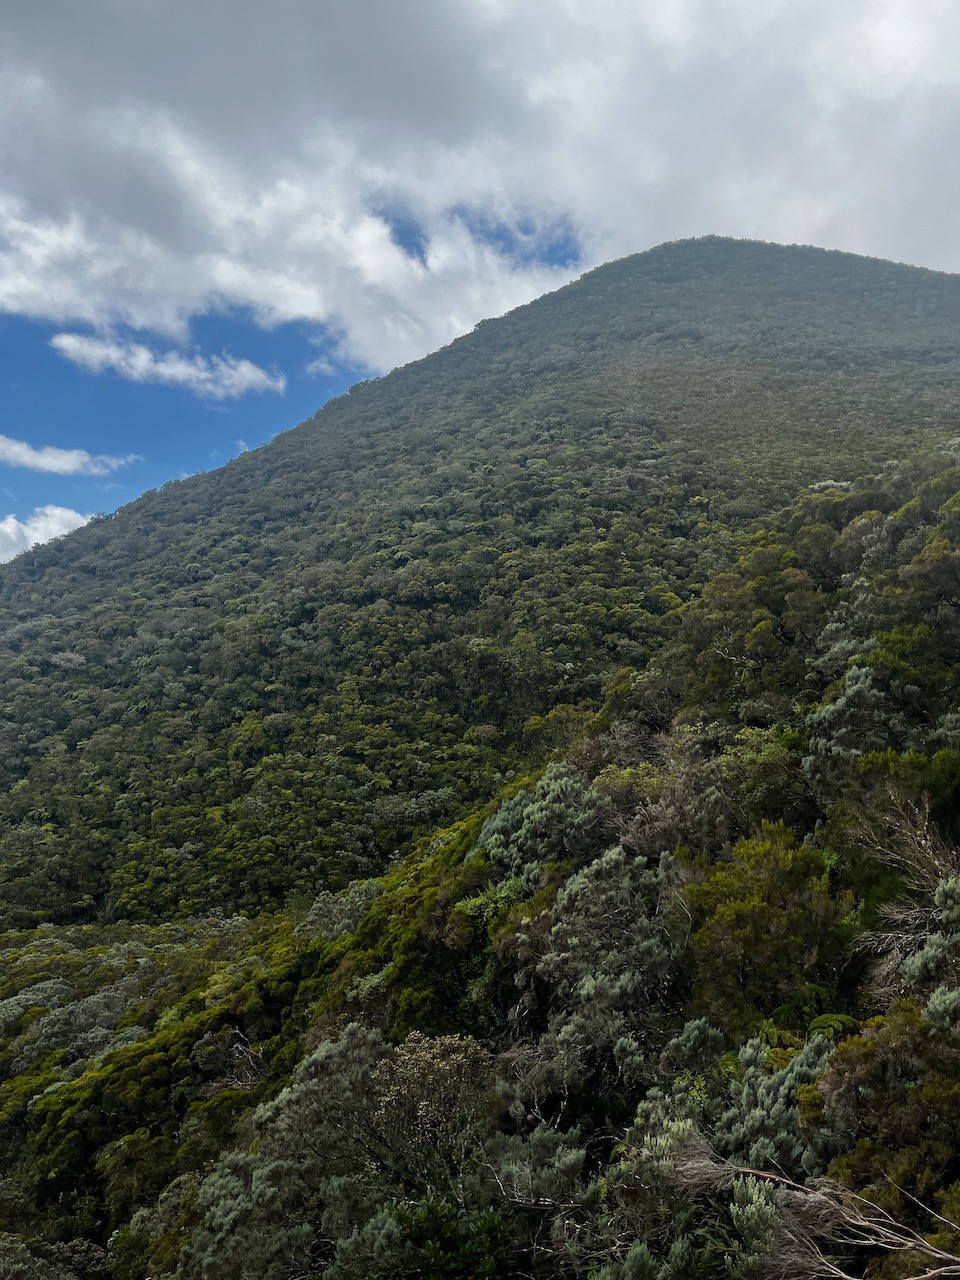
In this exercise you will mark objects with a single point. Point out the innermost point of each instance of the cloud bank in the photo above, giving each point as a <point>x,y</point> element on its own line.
<point>218,378</point>
<point>46,522</point>
<point>60,462</point>
<point>394,173</point>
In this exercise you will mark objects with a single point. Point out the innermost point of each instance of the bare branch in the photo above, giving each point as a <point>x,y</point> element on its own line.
<point>815,1216</point>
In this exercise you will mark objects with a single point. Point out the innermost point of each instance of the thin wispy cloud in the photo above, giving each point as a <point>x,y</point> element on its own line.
<point>60,462</point>
<point>46,522</point>
<point>216,377</point>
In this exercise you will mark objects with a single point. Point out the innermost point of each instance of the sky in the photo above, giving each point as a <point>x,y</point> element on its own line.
<point>215,215</point>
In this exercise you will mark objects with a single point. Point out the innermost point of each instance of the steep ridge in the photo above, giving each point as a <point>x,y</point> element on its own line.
<point>272,676</point>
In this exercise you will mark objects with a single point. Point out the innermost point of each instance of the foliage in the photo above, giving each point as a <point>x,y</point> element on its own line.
<point>562,820</point>
<point>607,971</point>
<point>769,934</point>
<point>499,829</point>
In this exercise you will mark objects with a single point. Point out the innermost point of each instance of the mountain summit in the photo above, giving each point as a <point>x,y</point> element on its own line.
<point>273,676</point>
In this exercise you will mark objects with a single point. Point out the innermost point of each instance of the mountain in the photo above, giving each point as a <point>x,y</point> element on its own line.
<point>272,677</point>
<point>508,824</point>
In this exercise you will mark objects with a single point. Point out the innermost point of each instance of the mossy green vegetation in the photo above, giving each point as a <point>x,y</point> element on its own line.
<point>508,826</point>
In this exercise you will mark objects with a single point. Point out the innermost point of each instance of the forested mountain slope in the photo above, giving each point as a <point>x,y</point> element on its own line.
<point>508,826</point>
<point>273,676</point>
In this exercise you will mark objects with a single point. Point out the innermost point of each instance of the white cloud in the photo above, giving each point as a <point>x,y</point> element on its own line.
<point>219,377</point>
<point>61,462</point>
<point>46,522</point>
<point>148,179</point>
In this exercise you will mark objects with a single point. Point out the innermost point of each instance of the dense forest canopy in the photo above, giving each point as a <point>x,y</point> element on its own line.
<point>507,826</point>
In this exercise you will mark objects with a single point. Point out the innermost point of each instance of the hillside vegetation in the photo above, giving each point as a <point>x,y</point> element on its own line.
<point>508,826</point>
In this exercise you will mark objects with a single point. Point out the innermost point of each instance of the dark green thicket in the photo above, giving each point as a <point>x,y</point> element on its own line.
<point>499,829</point>
<point>273,677</point>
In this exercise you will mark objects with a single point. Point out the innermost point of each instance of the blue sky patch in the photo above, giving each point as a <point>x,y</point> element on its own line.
<point>526,242</point>
<point>405,231</point>
<point>170,431</point>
